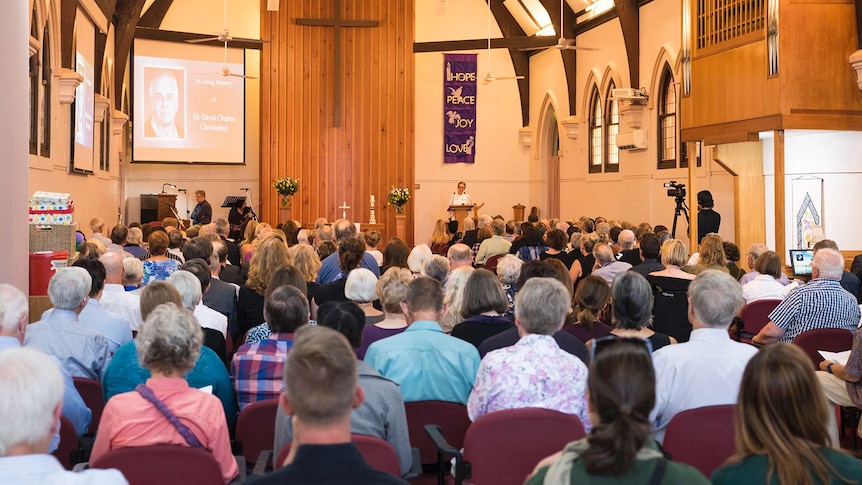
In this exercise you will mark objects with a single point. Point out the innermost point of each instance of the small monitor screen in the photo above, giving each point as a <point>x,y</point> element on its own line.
<point>800,261</point>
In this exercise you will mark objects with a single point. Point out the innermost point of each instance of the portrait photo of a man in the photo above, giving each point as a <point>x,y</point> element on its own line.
<point>164,103</point>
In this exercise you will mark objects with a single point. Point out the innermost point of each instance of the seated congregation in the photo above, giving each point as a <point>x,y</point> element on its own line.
<point>541,352</point>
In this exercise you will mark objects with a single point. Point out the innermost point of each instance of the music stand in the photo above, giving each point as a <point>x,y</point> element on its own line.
<point>233,201</point>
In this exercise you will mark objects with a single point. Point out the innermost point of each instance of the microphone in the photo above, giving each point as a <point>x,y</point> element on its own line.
<point>243,188</point>
<point>182,190</point>
<point>169,205</point>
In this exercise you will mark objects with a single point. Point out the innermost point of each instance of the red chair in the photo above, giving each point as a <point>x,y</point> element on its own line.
<point>754,317</point>
<point>702,437</point>
<point>163,464</point>
<point>68,452</point>
<point>377,453</point>
<point>91,392</point>
<point>255,428</point>
<point>503,447</point>
<point>451,417</point>
<point>830,339</point>
<point>491,263</point>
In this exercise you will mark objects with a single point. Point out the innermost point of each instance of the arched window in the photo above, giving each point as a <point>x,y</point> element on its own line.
<point>45,97</point>
<point>612,122</point>
<point>596,138</point>
<point>33,72</point>
<point>667,120</point>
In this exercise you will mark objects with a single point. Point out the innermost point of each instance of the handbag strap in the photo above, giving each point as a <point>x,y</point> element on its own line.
<point>182,429</point>
<point>658,472</point>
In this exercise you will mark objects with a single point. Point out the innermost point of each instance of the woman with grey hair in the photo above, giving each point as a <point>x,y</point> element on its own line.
<point>166,410</point>
<point>133,273</point>
<point>631,302</point>
<point>360,288</point>
<point>483,311</point>
<point>453,297</point>
<point>436,267</point>
<point>417,257</point>
<point>508,271</point>
<point>391,290</point>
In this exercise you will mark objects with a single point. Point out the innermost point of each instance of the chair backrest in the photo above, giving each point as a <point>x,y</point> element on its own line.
<point>255,428</point>
<point>451,417</point>
<point>755,315</point>
<point>831,339</point>
<point>702,437</point>
<point>67,451</point>
<point>491,263</point>
<point>503,447</point>
<point>91,392</point>
<point>163,464</point>
<point>670,313</point>
<point>377,453</point>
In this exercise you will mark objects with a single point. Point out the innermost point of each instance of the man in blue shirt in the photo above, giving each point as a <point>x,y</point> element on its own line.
<point>14,311</point>
<point>329,270</point>
<point>428,364</point>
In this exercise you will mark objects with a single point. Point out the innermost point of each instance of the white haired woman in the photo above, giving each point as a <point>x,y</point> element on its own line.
<point>361,289</point>
<point>166,410</point>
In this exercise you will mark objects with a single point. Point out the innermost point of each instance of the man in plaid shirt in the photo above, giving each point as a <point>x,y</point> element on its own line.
<point>820,303</point>
<point>257,367</point>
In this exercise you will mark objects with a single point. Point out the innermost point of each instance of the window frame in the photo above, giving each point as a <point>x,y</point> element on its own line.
<point>611,130</point>
<point>45,97</point>
<point>596,131</point>
<point>666,89</point>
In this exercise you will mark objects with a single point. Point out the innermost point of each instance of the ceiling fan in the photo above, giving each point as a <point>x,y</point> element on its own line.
<point>563,43</point>
<point>489,78</point>
<point>224,37</point>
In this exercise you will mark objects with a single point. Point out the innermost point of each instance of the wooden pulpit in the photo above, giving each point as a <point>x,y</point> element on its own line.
<point>167,201</point>
<point>460,211</point>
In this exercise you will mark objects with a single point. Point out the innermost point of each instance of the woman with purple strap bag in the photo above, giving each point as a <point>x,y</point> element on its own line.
<point>166,410</point>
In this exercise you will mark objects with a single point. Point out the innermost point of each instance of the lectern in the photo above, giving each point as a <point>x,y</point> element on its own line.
<point>460,211</point>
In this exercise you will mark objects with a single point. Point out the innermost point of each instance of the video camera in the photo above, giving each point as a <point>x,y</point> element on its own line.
<point>675,190</point>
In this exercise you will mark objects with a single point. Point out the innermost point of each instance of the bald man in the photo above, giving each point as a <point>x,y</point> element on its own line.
<point>164,102</point>
<point>115,298</point>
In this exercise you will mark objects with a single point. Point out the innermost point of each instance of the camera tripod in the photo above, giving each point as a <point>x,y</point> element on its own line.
<point>681,208</point>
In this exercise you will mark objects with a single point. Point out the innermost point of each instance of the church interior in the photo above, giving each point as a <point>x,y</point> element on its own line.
<point>761,93</point>
<point>621,109</point>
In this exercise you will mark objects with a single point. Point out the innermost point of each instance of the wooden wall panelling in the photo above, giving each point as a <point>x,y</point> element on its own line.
<point>858,23</point>
<point>127,15</point>
<point>744,161</point>
<point>68,11</point>
<point>823,81</point>
<point>372,150</point>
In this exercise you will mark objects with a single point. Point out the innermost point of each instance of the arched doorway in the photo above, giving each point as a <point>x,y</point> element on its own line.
<point>549,156</point>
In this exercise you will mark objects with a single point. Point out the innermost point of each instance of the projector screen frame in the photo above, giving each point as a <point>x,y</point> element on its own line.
<point>179,38</point>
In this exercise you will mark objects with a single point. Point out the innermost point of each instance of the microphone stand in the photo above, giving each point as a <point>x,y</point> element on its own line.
<point>179,219</point>
<point>250,204</point>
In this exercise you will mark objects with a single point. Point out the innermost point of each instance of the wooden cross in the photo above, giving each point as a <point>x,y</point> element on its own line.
<point>337,23</point>
<point>344,208</point>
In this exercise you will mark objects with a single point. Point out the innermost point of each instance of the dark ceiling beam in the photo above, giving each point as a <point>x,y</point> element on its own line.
<point>128,15</point>
<point>520,59</point>
<point>629,15</point>
<point>570,58</point>
<point>594,22</point>
<point>174,36</point>
<point>514,42</point>
<point>107,7</point>
<point>68,9</point>
<point>155,14</point>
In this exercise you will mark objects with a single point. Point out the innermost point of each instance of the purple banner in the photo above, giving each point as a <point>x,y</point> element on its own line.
<point>459,108</point>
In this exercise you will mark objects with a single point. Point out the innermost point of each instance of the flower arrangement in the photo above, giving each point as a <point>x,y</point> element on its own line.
<point>399,196</point>
<point>286,187</point>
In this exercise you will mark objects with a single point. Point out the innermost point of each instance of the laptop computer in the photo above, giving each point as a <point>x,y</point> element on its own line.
<point>800,261</point>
